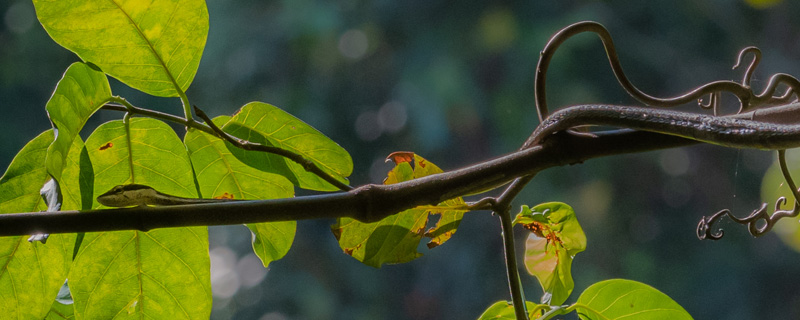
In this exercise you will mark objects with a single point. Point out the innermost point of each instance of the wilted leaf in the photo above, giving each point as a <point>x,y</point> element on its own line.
<point>555,239</point>
<point>395,238</point>
<point>626,299</point>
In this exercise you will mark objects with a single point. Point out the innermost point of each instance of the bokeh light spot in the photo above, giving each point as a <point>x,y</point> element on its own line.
<point>251,270</point>
<point>392,116</point>
<point>224,280</point>
<point>20,17</point>
<point>353,44</point>
<point>674,162</point>
<point>367,126</point>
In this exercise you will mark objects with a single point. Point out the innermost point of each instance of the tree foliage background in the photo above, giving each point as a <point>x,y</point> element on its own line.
<point>453,82</point>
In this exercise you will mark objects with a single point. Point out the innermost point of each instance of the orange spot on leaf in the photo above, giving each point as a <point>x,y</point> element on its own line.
<point>106,146</point>
<point>399,157</point>
<point>535,227</point>
<point>225,196</point>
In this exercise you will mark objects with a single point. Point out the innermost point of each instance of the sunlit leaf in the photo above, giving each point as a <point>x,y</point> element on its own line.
<point>555,239</point>
<point>80,92</point>
<point>269,125</point>
<point>31,273</point>
<point>626,299</point>
<point>504,310</point>
<point>153,46</point>
<point>161,274</point>
<point>60,311</point>
<point>220,174</point>
<point>395,238</point>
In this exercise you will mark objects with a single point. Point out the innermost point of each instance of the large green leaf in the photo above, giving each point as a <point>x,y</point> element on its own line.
<point>80,92</point>
<point>153,46</point>
<point>555,239</point>
<point>269,125</point>
<point>626,299</point>
<point>395,238</point>
<point>222,175</point>
<point>161,274</point>
<point>31,273</point>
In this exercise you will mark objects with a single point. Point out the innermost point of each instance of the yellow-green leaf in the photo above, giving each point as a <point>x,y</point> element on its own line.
<point>31,273</point>
<point>626,299</point>
<point>504,310</point>
<point>555,239</point>
<point>395,238</point>
<point>220,174</point>
<point>153,46</point>
<point>269,125</point>
<point>161,274</point>
<point>80,92</point>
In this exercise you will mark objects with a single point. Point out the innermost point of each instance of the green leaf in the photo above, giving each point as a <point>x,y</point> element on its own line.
<point>161,274</point>
<point>152,46</point>
<point>269,125</point>
<point>80,92</point>
<point>220,174</point>
<point>31,273</point>
<point>552,266</point>
<point>60,311</point>
<point>555,239</point>
<point>395,238</point>
<point>626,299</point>
<point>505,310</point>
<point>560,218</point>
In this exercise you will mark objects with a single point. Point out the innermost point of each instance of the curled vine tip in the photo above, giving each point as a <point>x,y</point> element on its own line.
<point>758,223</point>
<point>704,227</point>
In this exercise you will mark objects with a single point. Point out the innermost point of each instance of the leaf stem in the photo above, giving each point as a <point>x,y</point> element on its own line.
<point>187,107</point>
<point>514,283</point>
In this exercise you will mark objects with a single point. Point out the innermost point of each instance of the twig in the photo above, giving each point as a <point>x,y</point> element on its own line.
<point>368,203</point>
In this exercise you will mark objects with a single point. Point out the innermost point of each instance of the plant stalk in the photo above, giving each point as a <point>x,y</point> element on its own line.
<point>514,282</point>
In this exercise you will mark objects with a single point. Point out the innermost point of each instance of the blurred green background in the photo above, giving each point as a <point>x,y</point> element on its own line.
<point>452,81</point>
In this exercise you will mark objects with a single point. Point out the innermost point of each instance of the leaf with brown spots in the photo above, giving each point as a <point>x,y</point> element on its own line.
<point>395,239</point>
<point>556,237</point>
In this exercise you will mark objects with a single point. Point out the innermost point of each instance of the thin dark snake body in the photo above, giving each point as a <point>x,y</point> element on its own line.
<point>730,131</point>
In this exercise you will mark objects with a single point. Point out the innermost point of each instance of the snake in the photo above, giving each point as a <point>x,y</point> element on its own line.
<point>737,131</point>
